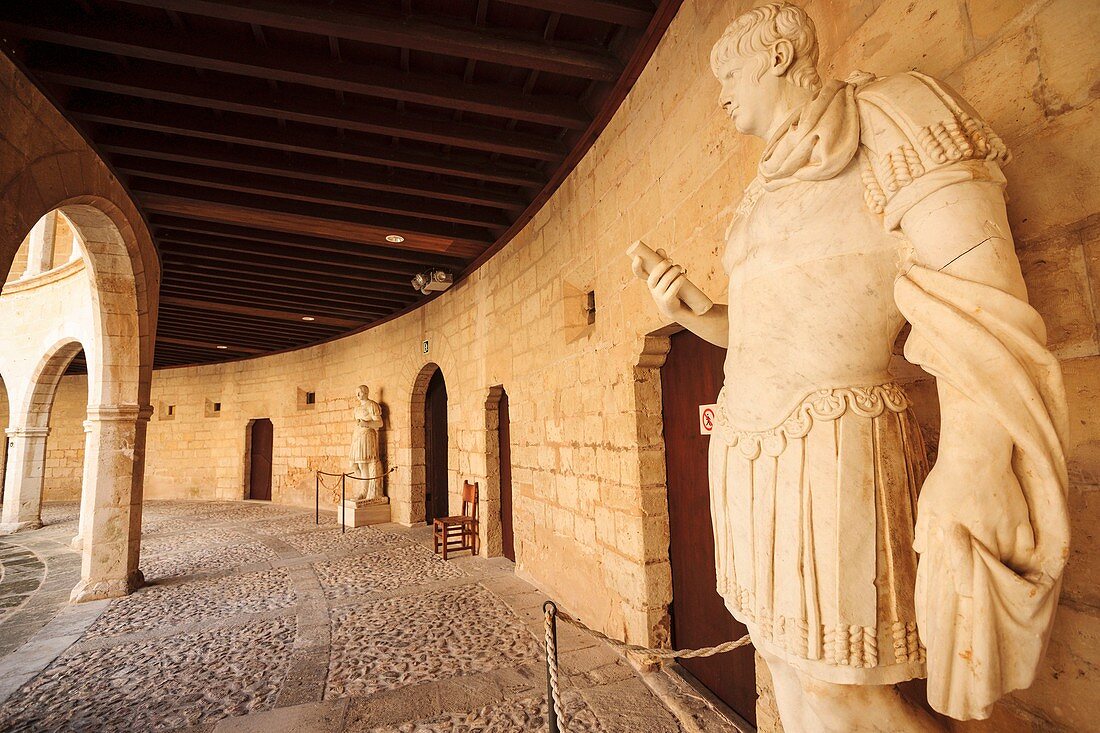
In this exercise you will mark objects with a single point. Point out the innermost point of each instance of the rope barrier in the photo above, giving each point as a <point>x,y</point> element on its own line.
<point>647,655</point>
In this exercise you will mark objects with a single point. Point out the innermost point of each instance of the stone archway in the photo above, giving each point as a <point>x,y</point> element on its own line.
<point>99,312</point>
<point>5,413</point>
<point>412,510</point>
<point>29,426</point>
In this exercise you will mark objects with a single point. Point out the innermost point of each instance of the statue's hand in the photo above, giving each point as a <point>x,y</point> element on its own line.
<point>967,497</point>
<point>664,282</point>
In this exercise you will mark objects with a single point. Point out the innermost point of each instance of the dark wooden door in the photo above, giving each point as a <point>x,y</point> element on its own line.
<point>435,448</point>
<point>692,376</point>
<point>259,474</point>
<point>508,539</point>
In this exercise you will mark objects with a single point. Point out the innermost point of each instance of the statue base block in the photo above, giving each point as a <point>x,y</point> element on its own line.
<point>361,512</point>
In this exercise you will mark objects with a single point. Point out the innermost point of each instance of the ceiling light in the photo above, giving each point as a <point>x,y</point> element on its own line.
<point>395,238</point>
<point>308,318</point>
<point>222,347</point>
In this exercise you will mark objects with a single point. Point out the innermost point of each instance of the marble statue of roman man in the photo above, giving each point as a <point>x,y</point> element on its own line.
<point>365,459</point>
<point>876,201</point>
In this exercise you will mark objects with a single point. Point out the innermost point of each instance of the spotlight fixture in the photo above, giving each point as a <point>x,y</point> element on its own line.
<point>308,318</point>
<point>432,281</point>
<point>222,347</point>
<point>395,238</point>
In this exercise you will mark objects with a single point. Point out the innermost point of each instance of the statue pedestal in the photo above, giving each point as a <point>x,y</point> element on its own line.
<point>361,512</point>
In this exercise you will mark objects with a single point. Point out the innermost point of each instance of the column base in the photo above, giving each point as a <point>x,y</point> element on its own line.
<point>98,590</point>
<point>77,543</point>
<point>13,527</point>
<point>361,512</point>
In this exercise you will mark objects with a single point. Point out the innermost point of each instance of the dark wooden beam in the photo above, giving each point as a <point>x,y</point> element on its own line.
<point>242,310</point>
<point>243,252</point>
<point>272,302</point>
<point>233,349</point>
<point>306,106</point>
<point>381,297</point>
<point>244,130</point>
<point>262,342</point>
<point>306,191</point>
<point>322,221</point>
<point>461,40</point>
<point>327,278</point>
<point>268,281</point>
<point>297,332</point>
<point>228,55</point>
<point>156,146</point>
<point>260,298</point>
<point>633,13</point>
<point>165,225</point>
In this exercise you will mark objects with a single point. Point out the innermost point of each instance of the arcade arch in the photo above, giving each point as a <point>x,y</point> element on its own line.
<point>96,308</point>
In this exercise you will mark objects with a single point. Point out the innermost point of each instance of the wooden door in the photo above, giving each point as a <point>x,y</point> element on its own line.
<point>435,448</point>
<point>259,474</point>
<point>504,437</point>
<point>692,376</point>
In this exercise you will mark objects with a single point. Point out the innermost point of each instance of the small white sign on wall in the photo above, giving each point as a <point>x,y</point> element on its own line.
<point>424,346</point>
<point>706,419</point>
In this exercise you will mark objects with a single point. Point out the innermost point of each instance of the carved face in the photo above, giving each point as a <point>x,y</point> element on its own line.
<point>750,102</point>
<point>362,393</point>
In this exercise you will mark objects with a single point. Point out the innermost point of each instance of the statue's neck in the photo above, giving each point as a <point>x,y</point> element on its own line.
<point>790,99</point>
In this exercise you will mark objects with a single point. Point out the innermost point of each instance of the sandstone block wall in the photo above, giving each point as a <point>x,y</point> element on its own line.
<point>588,474</point>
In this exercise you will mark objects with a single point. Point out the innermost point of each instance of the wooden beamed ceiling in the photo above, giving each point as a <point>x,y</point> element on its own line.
<point>274,145</point>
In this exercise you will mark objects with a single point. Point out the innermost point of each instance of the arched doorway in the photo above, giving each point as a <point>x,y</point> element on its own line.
<point>260,443</point>
<point>436,449</point>
<point>4,422</point>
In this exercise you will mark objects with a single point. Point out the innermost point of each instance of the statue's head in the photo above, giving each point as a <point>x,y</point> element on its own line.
<point>764,49</point>
<point>363,392</point>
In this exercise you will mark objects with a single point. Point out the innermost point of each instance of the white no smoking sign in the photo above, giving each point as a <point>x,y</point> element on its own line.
<point>706,419</point>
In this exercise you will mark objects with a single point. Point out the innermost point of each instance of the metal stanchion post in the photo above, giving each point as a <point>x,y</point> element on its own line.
<point>317,495</point>
<point>343,506</point>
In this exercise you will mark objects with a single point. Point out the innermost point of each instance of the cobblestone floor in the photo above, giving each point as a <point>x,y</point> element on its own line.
<point>257,619</point>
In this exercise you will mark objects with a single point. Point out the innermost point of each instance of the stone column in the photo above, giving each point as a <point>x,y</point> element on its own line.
<point>111,499</point>
<point>23,482</point>
<point>85,506</point>
<point>40,245</point>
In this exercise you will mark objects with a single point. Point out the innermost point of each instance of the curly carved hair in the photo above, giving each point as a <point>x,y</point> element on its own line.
<point>753,34</point>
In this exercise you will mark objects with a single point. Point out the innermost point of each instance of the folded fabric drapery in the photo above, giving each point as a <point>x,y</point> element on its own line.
<point>984,623</point>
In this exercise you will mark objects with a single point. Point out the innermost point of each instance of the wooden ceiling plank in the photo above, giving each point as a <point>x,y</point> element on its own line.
<point>226,96</point>
<point>330,277</point>
<point>463,41</point>
<point>193,343</point>
<point>306,191</point>
<point>283,330</point>
<point>153,146</point>
<point>262,283</point>
<point>251,340</point>
<point>285,65</point>
<point>288,216</point>
<point>241,130</point>
<point>195,244</point>
<point>345,292</point>
<point>213,232</point>
<point>261,298</point>
<point>282,315</point>
<point>632,13</point>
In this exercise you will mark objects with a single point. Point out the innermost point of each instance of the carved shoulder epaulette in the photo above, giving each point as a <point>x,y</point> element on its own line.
<point>911,124</point>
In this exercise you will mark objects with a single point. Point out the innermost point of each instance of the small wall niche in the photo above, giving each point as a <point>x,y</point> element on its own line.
<point>307,399</point>
<point>213,408</point>
<point>166,411</point>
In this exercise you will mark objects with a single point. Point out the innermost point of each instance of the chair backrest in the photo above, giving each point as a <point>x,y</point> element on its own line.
<point>469,499</point>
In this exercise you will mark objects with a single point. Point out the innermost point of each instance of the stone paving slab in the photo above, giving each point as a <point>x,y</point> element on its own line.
<point>258,619</point>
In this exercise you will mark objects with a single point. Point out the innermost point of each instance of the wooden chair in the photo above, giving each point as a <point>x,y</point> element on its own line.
<point>457,533</point>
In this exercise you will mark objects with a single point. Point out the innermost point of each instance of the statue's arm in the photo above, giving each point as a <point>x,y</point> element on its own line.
<point>664,282</point>
<point>962,230</point>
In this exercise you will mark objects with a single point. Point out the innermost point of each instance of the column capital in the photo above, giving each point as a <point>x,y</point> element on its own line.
<point>23,431</point>
<point>118,413</point>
